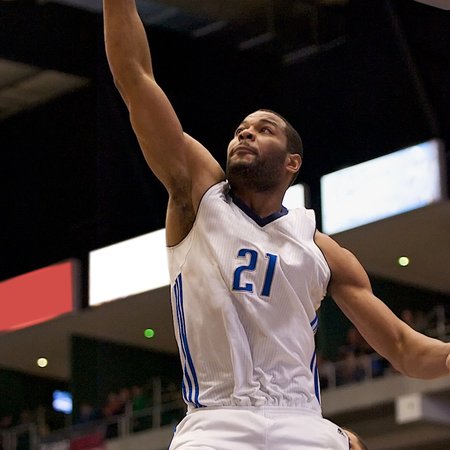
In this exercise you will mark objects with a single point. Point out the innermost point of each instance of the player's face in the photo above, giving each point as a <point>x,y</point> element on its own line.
<point>257,154</point>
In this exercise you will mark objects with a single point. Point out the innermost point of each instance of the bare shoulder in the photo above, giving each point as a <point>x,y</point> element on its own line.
<point>200,171</point>
<point>204,170</point>
<point>178,160</point>
<point>337,256</point>
<point>345,267</point>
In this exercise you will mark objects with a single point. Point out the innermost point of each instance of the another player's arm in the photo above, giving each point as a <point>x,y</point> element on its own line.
<point>410,352</point>
<point>173,156</point>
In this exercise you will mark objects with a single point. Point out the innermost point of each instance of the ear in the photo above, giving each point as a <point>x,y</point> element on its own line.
<point>294,162</point>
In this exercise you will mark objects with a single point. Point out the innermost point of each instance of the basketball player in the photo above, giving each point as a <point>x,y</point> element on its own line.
<point>247,274</point>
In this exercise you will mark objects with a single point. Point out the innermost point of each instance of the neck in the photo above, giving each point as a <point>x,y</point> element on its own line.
<point>262,203</point>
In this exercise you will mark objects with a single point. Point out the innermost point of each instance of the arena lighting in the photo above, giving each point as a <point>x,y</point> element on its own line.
<point>40,295</point>
<point>403,261</point>
<point>383,187</point>
<point>128,268</point>
<point>42,362</point>
<point>149,333</point>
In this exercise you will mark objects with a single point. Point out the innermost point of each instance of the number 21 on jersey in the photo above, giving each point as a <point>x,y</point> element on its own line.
<point>253,265</point>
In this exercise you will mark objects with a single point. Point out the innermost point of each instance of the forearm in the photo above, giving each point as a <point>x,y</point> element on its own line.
<point>424,357</point>
<point>126,43</point>
<point>411,353</point>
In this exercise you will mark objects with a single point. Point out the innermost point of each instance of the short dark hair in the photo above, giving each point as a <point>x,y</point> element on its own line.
<point>294,141</point>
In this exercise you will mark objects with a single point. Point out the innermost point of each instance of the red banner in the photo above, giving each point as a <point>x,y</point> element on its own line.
<point>90,442</point>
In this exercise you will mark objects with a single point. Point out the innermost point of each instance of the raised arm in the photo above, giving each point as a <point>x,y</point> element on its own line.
<point>173,156</point>
<point>410,352</point>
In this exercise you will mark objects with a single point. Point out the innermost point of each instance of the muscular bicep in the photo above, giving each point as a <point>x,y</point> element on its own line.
<point>157,129</point>
<point>351,290</point>
<point>410,352</point>
<point>173,156</point>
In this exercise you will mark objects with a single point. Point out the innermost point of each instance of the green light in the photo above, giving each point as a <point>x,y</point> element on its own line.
<point>403,261</point>
<point>149,333</point>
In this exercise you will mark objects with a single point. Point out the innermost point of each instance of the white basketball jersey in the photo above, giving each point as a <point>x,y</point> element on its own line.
<point>245,291</point>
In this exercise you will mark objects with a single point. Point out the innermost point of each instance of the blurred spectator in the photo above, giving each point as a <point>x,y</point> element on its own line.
<point>43,428</point>
<point>113,407</point>
<point>6,422</point>
<point>350,367</point>
<point>174,413</point>
<point>415,319</point>
<point>87,413</point>
<point>124,398</point>
<point>140,402</point>
<point>23,437</point>
<point>326,372</point>
<point>355,343</point>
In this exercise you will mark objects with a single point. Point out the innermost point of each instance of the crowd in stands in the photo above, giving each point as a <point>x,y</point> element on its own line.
<point>126,400</point>
<point>26,418</point>
<point>356,361</point>
<point>135,403</point>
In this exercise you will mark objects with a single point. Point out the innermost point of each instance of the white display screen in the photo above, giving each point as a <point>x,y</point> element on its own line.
<point>140,264</point>
<point>62,401</point>
<point>383,187</point>
<point>127,268</point>
<point>294,197</point>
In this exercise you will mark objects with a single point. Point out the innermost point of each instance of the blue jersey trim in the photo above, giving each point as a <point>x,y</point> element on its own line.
<point>261,221</point>
<point>315,324</point>
<point>178,291</point>
<point>315,371</point>
<point>313,365</point>
<point>186,378</point>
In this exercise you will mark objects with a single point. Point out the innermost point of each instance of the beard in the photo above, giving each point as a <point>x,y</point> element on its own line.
<point>257,175</point>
